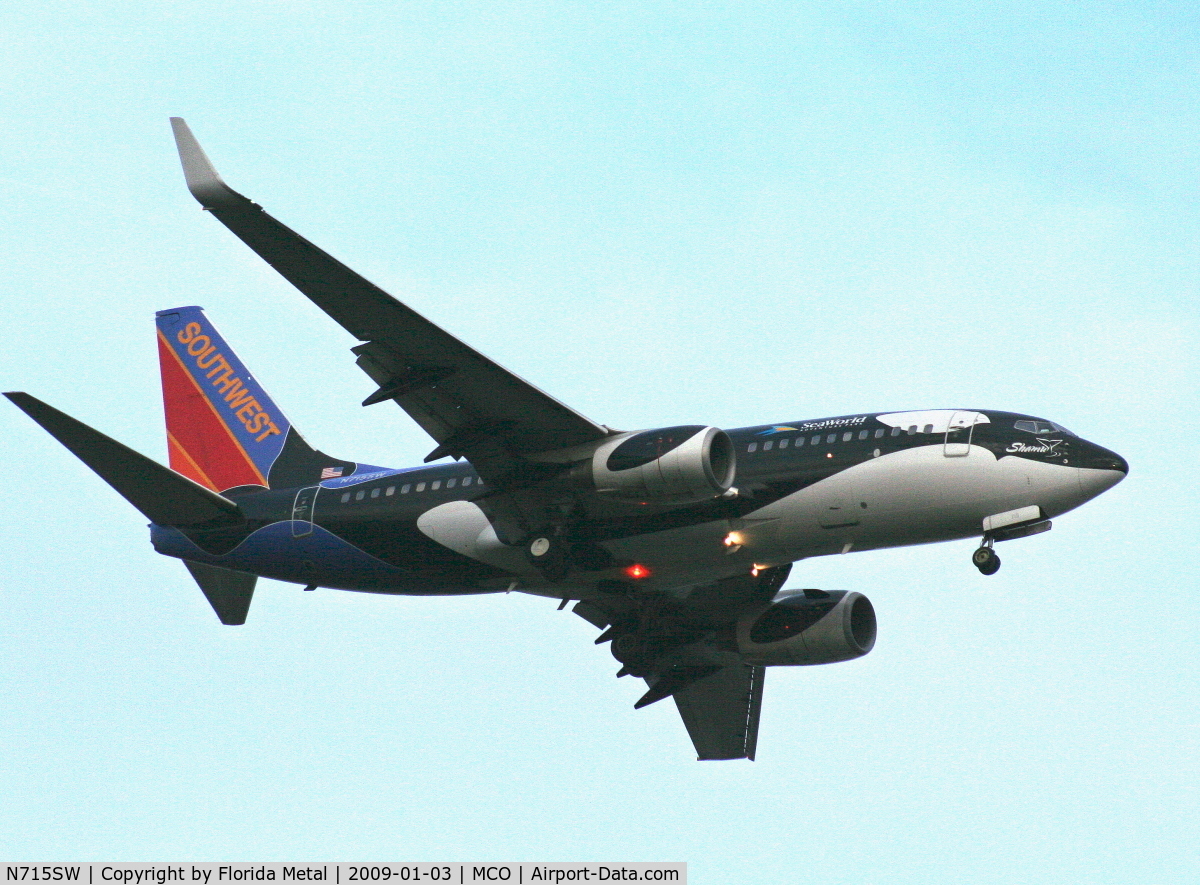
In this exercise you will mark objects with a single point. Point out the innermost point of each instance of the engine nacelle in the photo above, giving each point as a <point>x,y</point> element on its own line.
<point>671,465</point>
<point>808,627</point>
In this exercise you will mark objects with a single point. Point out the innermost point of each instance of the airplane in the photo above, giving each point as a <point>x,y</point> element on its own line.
<point>675,542</point>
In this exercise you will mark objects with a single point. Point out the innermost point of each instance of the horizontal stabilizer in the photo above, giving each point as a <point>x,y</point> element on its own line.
<point>163,496</point>
<point>229,592</point>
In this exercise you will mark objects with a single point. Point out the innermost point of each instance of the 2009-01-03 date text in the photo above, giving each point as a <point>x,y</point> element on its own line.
<point>402,874</point>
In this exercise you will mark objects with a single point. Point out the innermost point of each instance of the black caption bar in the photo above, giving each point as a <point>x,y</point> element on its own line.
<point>342,873</point>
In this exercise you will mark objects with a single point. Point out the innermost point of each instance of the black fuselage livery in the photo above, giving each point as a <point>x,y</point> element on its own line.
<point>675,542</point>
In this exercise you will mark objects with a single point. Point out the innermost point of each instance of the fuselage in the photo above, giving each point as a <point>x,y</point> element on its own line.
<point>676,541</point>
<point>804,488</point>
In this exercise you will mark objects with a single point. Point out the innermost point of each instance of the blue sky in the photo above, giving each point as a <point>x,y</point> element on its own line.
<point>666,213</point>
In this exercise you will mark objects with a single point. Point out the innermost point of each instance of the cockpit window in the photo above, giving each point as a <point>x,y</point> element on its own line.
<point>1034,426</point>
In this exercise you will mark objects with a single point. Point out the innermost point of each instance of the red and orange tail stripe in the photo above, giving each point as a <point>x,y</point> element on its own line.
<point>222,429</point>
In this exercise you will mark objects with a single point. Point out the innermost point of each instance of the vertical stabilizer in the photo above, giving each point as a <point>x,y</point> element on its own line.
<point>223,430</point>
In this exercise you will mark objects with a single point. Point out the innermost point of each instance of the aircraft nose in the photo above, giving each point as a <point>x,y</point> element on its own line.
<point>1099,458</point>
<point>1099,470</point>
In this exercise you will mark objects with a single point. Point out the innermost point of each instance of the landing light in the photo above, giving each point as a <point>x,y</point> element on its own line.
<point>734,539</point>
<point>637,571</point>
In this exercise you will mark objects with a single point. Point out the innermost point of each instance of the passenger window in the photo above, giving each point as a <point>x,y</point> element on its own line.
<point>895,431</point>
<point>420,487</point>
<point>360,495</point>
<point>450,483</point>
<point>767,445</point>
<point>863,434</point>
<point>816,440</point>
<point>436,485</point>
<point>878,432</point>
<point>391,490</point>
<point>404,489</point>
<point>831,438</point>
<point>466,480</point>
<point>912,429</point>
<point>374,493</point>
<point>753,447</point>
<point>929,428</point>
<point>783,443</point>
<point>847,436</point>
<point>346,498</point>
<point>799,441</point>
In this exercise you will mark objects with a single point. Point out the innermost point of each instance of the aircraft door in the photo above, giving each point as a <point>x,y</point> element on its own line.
<point>958,435</point>
<point>302,511</point>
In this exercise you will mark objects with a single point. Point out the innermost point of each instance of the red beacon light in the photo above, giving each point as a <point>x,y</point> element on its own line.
<point>637,571</point>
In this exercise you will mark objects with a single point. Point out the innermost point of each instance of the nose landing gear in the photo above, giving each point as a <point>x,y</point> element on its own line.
<point>985,558</point>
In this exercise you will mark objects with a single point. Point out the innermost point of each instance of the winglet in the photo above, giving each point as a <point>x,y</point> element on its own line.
<point>202,178</point>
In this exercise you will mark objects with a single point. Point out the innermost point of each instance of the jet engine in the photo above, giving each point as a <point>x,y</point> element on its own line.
<point>671,465</point>
<point>808,627</point>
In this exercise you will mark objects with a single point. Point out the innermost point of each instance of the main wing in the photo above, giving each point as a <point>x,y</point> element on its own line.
<point>476,409</point>
<point>471,406</point>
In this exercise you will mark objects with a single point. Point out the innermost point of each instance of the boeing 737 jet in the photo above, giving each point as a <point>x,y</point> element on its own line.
<point>675,542</point>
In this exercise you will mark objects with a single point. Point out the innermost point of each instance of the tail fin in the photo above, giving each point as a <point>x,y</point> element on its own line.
<point>223,431</point>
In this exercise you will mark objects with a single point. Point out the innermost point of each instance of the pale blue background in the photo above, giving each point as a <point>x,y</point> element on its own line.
<point>662,213</point>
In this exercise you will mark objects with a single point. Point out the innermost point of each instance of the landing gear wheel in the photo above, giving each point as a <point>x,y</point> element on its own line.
<point>549,557</point>
<point>541,549</point>
<point>628,648</point>
<point>986,560</point>
<point>590,557</point>
<point>635,651</point>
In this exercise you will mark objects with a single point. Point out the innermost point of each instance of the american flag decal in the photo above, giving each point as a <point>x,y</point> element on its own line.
<point>331,472</point>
